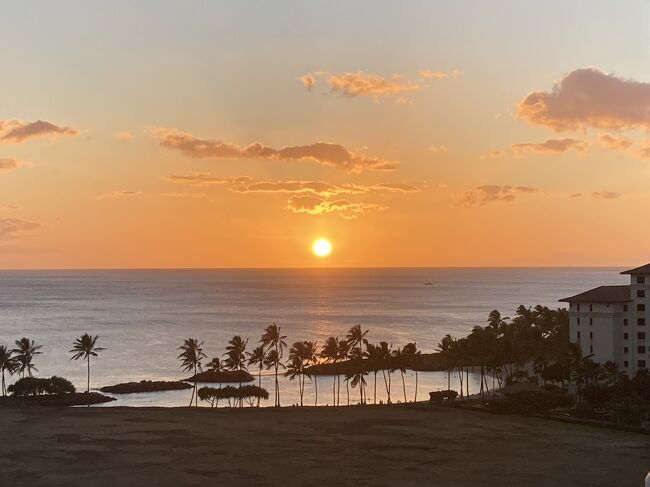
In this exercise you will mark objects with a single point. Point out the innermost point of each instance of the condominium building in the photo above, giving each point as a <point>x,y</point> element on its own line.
<point>610,322</point>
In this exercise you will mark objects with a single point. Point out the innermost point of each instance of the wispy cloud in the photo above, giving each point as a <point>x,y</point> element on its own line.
<point>308,197</point>
<point>588,97</point>
<point>427,74</point>
<point>116,195</point>
<point>8,164</point>
<point>314,205</point>
<point>323,153</point>
<point>12,228</point>
<point>605,195</point>
<point>552,146</point>
<point>490,193</point>
<point>493,154</point>
<point>16,131</point>
<point>185,195</point>
<point>124,136</point>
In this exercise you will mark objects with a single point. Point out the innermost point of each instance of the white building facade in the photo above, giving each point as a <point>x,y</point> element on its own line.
<point>610,322</point>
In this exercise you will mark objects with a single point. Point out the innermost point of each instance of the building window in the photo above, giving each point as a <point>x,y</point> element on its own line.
<point>640,307</point>
<point>626,350</point>
<point>578,321</point>
<point>642,364</point>
<point>591,349</point>
<point>640,349</point>
<point>640,321</point>
<point>625,321</point>
<point>641,335</point>
<point>591,335</point>
<point>578,306</point>
<point>625,336</point>
<point>640,279</point>
<point>578,336</point>
<point>591,322</point>
<point>625,307</point>
<point>591,307</point>
<point>625,364</point>
<point>640,293</point>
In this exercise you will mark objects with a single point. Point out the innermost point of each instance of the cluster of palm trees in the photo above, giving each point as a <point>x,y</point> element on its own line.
<point>501,348</point>
<point>20,360</point>
<point>352,357</point>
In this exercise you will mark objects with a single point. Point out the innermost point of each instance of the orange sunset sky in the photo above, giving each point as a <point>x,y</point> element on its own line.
<point>233,134</point>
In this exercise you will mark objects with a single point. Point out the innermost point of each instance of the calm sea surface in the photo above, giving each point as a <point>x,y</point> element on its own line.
<point>142,316</point>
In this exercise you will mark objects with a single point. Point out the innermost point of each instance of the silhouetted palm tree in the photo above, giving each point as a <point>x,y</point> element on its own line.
<point>25,351</point>
<point>274,339</point>
<point>372,353</point>
<point>257,357</point>
<point>355,338</point>
<point>444,349</point>
<point>344,354</point>
<point>85,347</point>
<point>310,358</point>
<point>296,369</point>
<point>273,361</point>
<point>330,353</point>
<point>8,363</point>
<point>190,357</point>
<point>236,356</point>
<point>384,354</point>
<point>399,363</point>
<point>411,354</point>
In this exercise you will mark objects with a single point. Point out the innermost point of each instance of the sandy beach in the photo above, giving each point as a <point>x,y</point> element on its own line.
<point>394,445</point>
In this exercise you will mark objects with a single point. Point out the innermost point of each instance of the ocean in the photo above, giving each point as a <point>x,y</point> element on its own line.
<point>142,316</point>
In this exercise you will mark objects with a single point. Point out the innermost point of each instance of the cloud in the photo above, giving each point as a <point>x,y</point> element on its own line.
<point>323,153</point>
<point>361,84</point>
<point>489,193</point>
<point>615,142</point>
<point>124,136</point>
<point>11,228</point>
<point>438,148</point>
<point>427,74</point>
<point>185,195</point>
<point>314,205</point>
<point>8,164</point>
<point>308,197</point>
<point>576,195</point>
<point>16,131</point>
<point>116,195</point>
<point>605,195</point>
<point>320,188</point>
<point>554,146</point>
<point>308,81</point>
<point>493,154</point>
<point>588,97</point>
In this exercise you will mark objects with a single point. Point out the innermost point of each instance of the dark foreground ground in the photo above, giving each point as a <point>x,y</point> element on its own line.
<point>326,446</point>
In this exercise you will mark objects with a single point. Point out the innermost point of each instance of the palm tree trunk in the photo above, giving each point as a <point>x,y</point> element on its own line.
<point>448,379</point>
<point>316,384</point>
<point>347,386</point>
<point>260,384</point>
<point>193,388</point>
<point>404,386</point>
<point>375,400</point>
<point>334,391</point>
<point>4,390</point>
<point>338,389</point>
<point>88,384</point>
<point>416,386</point>
<point>467,381</point>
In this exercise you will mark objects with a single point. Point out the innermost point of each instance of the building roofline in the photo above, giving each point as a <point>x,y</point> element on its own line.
<point>644,269</point>
<point>602,294</point>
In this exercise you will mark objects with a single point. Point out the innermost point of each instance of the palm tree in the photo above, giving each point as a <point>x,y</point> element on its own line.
<point>296,368</point>
<point>85,347</point>
<point>399,363</point>
<point>373,354</point>
<point>330,353</point>
<point>8,363</point>
<point>384,354</point>
<point>343,354</point>
<point>273,361</point>
<point>25,351</point>
<point>412,354</point>
<point>236,356</point>
<point>355,338</point>
<point>258,357</point>
<point>190,357</point>
<point>274,339</point>
<point>311,357</point>
<point>444,349</point>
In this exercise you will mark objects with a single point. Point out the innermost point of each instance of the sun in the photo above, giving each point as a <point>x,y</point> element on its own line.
<point>321,247</point>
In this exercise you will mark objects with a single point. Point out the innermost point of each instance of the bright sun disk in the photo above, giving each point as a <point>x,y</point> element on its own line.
<point>322,247</point>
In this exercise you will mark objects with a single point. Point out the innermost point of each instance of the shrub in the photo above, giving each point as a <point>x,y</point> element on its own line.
<point>34,386</point>
<point>531,402</point>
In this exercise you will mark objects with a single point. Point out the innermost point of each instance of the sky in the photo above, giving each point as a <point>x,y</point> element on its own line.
<point>233,134</point>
